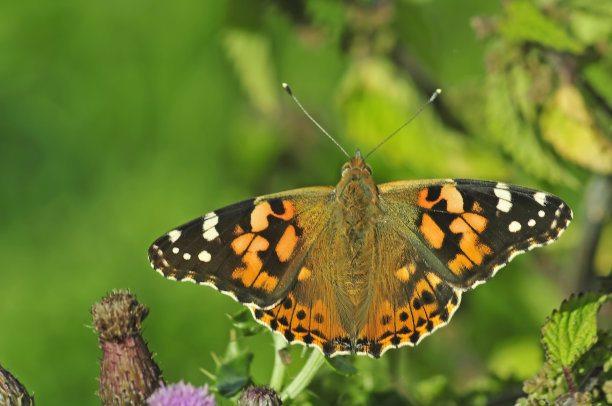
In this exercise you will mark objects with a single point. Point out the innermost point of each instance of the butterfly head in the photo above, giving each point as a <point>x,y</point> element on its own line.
<point>356,166</point>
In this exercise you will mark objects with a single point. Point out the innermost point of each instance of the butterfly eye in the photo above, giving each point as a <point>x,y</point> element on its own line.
<point>345,168</point>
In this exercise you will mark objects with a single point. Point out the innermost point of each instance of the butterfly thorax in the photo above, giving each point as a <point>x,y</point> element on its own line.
<point>356,215</point>
<point>357,195</point>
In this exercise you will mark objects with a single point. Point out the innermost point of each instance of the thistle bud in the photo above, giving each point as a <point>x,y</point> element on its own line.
<point>12,392</point>
<point>259,396</point>
<point>128,373</point>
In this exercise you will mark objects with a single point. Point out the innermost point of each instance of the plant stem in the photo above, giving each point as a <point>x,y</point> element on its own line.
<point>567,374</point>
<point>278,371</point>
<point>301,381</point>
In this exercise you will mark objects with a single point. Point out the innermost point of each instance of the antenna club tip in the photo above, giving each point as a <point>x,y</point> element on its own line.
<point>435,95</point>
<point>287,88</point>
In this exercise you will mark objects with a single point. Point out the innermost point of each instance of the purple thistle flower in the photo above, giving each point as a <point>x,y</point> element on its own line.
<point>181,394</point>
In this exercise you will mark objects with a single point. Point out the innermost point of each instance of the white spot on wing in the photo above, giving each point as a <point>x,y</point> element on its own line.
<point>174,235</point>
<point>186,256</point>
<point>514,227</point>
<point>540,197</point>
<point>204,256</point>
<point>505,198</point>
<point>541,213</point>
<point>210,221</point>
<point>175,250</point>
<point>531,223</point>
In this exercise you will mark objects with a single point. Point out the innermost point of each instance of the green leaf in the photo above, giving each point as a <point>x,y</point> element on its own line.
<point>516,136</point>
<point>572,330</point>
<point>590,27</point>
<point>342,365</point>
<point>524,22</point>
<point>233,375</point>
<point>568,125</point>
<point>244,324</point>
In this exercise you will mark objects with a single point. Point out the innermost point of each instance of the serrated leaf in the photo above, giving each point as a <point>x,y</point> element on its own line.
<point>342,365</point>
<point>524,22</point>
<point>233,375</point>
<point>569,127</point>
<point>572,330</point>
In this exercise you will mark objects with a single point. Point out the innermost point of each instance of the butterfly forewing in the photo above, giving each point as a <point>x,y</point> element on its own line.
<point>251,250</point>
<point>468,229</point>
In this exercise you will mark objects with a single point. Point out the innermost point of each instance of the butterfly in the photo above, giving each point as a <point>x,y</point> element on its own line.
<point>360,268</point>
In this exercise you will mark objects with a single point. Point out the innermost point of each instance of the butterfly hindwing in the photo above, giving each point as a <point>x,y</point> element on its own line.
<point>409,300</point>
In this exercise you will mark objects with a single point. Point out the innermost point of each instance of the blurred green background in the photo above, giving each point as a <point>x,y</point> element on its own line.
<point>121,120</point>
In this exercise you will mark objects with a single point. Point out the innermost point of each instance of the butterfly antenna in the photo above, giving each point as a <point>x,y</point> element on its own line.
<point>431,99</point>
<point>288,89</point>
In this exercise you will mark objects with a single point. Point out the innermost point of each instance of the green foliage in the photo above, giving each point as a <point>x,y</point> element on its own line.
<point>535,55</point>
<point>233,374</point>
<point>578,358</point>
<point>243,323</point>
<point>568,126</point>
<point>342,365</point>
<point>572,330</point>
<point>524,22</point>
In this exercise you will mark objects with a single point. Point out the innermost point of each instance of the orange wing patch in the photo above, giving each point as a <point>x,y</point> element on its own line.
<point>265,281</point>
<point>405,273</point>
<point>248,246</point>
<point>454,200</point>
<point>432,232</point>
<point>471,245</point>
<point>476,221</point>
<point>304,274</point>
<point>259,216</point>
<point>286,245</point>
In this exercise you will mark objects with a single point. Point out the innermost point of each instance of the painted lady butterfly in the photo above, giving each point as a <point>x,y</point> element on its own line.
<point>360,268</point>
